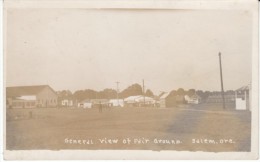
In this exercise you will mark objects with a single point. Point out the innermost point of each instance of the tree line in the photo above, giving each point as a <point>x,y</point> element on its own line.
<point>132,90</point>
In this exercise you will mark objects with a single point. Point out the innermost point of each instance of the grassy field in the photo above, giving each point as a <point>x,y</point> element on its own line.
<point>191,128</point>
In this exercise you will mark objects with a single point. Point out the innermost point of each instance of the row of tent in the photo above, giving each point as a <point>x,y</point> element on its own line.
<point>131,101</point>
<point>141,101</point>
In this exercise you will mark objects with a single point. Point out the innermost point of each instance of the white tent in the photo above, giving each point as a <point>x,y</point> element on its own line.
<point>139,99</point>
<point>132,99</point>
<point>148,100</point>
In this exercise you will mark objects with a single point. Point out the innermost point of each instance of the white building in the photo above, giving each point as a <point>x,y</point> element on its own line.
<point>67,102</point>
<point>85,104</point>
<point>194,99</point>
<point>31,96</point>
<point>116,102</point>
<point>243,98</point>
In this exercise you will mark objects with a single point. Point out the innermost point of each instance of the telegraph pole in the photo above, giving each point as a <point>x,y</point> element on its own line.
<point>117,84</point>
<point>143,92</point>
<point>221,79</point>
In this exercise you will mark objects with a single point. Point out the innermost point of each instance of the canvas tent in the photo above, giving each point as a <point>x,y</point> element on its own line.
<point>139,101</point>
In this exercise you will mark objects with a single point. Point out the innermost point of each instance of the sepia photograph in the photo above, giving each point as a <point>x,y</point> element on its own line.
<point>154,79</point>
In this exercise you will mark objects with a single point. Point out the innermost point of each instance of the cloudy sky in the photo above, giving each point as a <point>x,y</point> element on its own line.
<point>81,48</point>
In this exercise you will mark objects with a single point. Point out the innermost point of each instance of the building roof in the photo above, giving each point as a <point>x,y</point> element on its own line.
<point>25,90</point>
<point>140,99</point>
<point>166,94</point>
<point>28,98</point>
<point>132,98</point>
<point>244,88</point>
<point>115,100</point>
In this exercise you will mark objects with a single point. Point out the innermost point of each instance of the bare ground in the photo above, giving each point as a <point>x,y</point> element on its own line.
<point>134,128</point>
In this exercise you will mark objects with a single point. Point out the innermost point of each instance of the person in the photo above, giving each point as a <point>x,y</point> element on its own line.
<point>100,107</point>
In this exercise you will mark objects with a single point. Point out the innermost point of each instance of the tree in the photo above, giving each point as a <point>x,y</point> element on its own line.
<point>132,90</point>
<point>149,93</point>
<point>191,92</point>
<point>180,91</point>
<point>107,94</point>
<point>206,94</point>
<point>200,93</point>
<point>78,95</point>
<point>230,92</point>
<point>85,94</point>
<point>64,94</point>
<point>173,93</point>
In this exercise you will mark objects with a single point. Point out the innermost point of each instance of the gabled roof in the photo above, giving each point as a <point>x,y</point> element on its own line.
<point>165,95</point>
<point>244,88</point>
<point>98,101</point>
<point>25,90</point>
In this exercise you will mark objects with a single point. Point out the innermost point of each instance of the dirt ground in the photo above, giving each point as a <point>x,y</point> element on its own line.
<point>191,128</point>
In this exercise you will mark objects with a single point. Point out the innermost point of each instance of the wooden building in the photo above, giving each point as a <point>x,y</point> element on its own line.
<point>31,97</point>
<point>167,100</point>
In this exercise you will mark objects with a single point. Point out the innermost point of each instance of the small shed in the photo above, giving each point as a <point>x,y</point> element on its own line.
<point>194,99</point>
<point>243,98</point>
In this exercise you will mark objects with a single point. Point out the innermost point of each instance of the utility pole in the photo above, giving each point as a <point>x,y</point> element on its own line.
<point>117,84</point>
<point>221,79</point>
<point>143,92</point>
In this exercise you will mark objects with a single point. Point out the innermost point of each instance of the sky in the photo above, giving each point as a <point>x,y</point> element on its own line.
<point>92,49</point>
